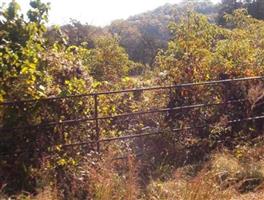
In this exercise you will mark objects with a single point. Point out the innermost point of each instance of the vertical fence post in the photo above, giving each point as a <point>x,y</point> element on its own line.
<point>170,94</point>
<point>170,105</point>
<point>97,130</point>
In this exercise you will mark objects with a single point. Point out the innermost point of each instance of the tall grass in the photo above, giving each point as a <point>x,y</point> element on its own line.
<point>114,179</point>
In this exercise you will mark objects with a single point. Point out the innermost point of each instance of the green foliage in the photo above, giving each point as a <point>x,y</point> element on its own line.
<point>144,34</point>
<point>254,7</point>
<point>108,61</point>
<point>37,63</point>
<point>39,11</point>
<point>20,47</point>
<point>202,51</point>
<point>79,34</point>
<point>31,69</point>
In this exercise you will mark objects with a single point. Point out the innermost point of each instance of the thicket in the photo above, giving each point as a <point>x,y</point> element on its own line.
<point>201,51</point>
<point>33,66</point>
<point>254,8</point>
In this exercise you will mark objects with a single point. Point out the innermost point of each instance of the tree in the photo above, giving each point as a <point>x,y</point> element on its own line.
<point>76,34</point>
<point>255,8</point>
<point>108,61</point>
<point>32,69</point>
<point>20,45</point>
<point>143,35</point>
<point>202,51</point>
<point>227,7</point>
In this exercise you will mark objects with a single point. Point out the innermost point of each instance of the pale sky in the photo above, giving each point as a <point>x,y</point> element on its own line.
<point>96,12</point>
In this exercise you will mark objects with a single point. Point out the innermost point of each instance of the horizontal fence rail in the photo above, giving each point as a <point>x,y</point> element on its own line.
<point>136,90</point>
<point>97,117</point>
<point>159,132</point>
<point>162,110</point>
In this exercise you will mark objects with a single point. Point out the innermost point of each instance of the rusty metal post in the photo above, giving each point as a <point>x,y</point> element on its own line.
<point>170,99</point>
<point>170,93</point>
<point>97,129</point>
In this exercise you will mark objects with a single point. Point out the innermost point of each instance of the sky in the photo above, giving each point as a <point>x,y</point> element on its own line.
<point>95,12</point>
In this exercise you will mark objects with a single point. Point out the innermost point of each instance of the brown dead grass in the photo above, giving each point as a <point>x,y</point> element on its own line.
<point>114,179</point>
<point>219,179</point>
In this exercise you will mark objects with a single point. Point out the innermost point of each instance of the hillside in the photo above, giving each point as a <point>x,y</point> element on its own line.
<point>143,34</point>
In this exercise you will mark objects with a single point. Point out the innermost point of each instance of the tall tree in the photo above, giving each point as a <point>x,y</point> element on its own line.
<point>108,61</point>
<point>227,7</point>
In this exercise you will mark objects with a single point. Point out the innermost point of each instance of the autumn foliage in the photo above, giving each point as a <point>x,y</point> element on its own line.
<point>37,62</point>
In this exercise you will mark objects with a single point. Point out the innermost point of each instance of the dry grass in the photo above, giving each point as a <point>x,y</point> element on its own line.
<point>47,194</point>
<point>114,180</point>
<point>201,187</point>
<point>221,178</point>
<point>225,162</point>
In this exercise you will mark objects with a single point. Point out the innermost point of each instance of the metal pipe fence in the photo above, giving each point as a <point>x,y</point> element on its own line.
<point>97,117</point>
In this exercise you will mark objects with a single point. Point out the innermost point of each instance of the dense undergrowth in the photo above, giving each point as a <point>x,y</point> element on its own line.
<point>236,174</point>
<point>187,165</point>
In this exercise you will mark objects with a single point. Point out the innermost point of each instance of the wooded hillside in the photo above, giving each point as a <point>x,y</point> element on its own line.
<point>167,104</point>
